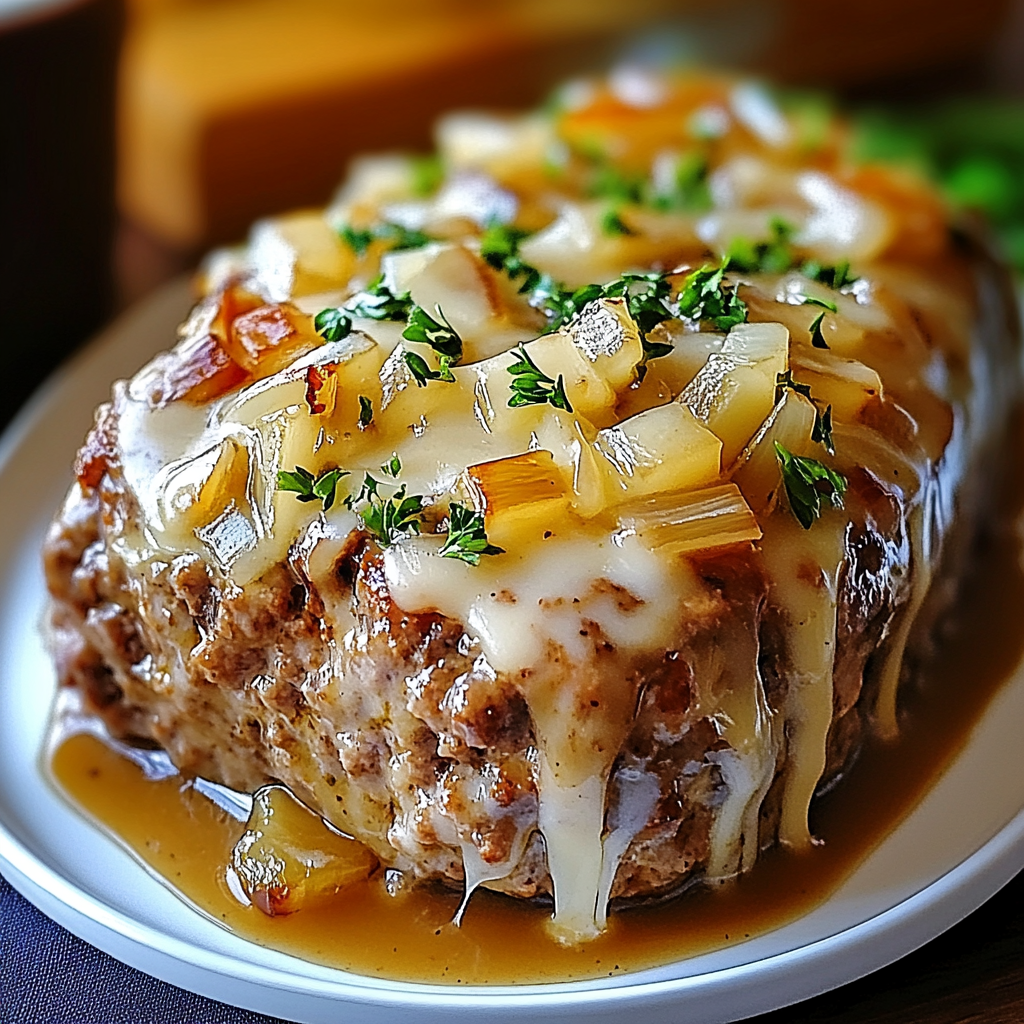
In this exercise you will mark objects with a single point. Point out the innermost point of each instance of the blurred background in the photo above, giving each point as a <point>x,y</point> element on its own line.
<point>135,134</point>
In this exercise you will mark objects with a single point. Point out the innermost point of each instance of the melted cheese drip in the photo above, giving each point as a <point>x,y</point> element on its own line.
<point>892,667</point>
<point>804,567</point>
<point>535,612</point>
<point>638,795</point>
<point>571,819</point>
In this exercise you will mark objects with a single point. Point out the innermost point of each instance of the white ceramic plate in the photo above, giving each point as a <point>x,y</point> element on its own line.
<point>960,845</point>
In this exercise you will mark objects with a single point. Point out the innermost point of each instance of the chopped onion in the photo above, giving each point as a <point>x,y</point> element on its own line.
<point>515,486</point>
<point>196,491</point>
<point>756,470</point>
<point>298,254</point>
<point>735,389</point>
<point>691,520</point>
<point>662,449</point>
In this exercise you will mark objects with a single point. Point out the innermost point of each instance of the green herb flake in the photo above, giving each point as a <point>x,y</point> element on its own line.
<point>813,300</point>
<point>784,382</point>
<point>608,182</point>
<point>387,518</point>
<point>808,484</point>
<point>531,386</point>
<point>394,236</point>
<point>554,301</point>
<point>332,324</point>
<point>427,173</point>
<point>821,432</point>
<point>438,334</point>
<point>499,247</point>
<point>357,239</point>
<point>774,256</point>
<point>817,337</point>
<point>399,237</point>
<point>306,487</point>
<point>613,224</point>
<point>689,192</point>
<point>423,374</point>
<point>378,302</point>
<point>466,538</point>
<point>365,412</point>
<point>392,467</point>
<point>834,277</point>
<point>706,297</point>
<point>646,296</point>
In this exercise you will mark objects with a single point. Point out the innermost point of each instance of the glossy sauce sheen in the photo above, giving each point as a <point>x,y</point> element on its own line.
<point>185,839</point>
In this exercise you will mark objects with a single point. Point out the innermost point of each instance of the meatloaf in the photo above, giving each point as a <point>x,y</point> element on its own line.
<point>553,513</point>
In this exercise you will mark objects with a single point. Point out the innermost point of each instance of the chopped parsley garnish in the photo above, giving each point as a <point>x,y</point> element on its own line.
<point>652,350</point>
<point>808,483</point>
<point>646,296</point>
<point>784,382</point>
<point>608,182</point>
<point>466,538</point>
<point>821,432</point>
<point>395,236</point>
<point>387,518</point>
<point>427,173</point>
<point>357,239</point>
<point>706,297</point>
<point>307,487</point>
<point>772,257</point>
<point>499,247</point>
<point>378,302</point>
<point>332,324</point>
<point>776,256</point>
<point>613,224</point>
<point>365,412</point>
<point>833,277</point>
<point>422,373</point>
<point>554,301</point>
<point>531,386</point>
<point>438,334</point>
<point>646,293</point>
<point>392,467</point>
<point>689,190</point>
<point>817,337</point>
<point>813,300</point>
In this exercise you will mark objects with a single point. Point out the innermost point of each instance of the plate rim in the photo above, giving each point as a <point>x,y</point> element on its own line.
<point>902,926</point>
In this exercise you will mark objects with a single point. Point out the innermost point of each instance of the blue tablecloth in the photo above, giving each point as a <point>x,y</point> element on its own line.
<point>47,976</point>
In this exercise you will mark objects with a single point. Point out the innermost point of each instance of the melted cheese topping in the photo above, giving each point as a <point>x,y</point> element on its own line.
<point>584,589</point>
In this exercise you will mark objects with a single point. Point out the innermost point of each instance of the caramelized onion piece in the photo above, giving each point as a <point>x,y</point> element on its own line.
<point>523,493</point>
<point>735,389</point>
<point>661,449</point>
<point>202,371</point>
<point>289,858</point>
<point>269,338</point>
<point>691,520</point>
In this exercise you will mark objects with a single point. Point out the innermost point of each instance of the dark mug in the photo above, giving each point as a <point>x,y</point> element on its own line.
<point>58,76</point>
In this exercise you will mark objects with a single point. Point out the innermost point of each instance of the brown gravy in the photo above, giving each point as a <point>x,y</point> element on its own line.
<point>186,840</point>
